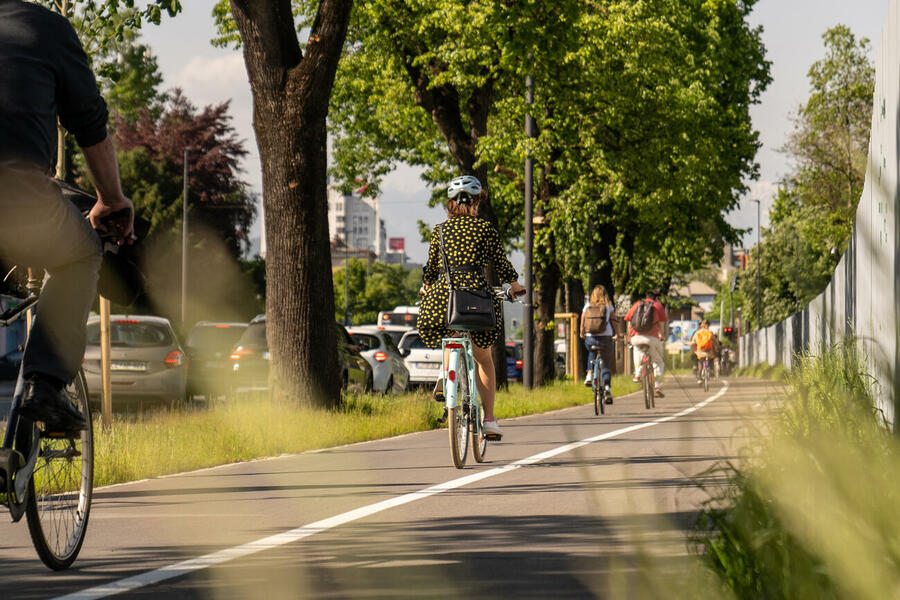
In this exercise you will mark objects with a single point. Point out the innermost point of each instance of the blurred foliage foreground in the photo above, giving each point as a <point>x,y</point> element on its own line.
<point>811,510</point>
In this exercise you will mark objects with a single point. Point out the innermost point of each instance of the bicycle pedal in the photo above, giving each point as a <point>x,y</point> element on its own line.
<point>493,437</point>
<point>439,397</point>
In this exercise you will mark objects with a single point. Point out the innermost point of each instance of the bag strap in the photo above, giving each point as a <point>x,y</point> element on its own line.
<point>444,258</point>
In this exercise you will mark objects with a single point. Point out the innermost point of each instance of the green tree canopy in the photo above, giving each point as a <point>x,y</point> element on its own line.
<point>374,287</point>
<point>812,217</point>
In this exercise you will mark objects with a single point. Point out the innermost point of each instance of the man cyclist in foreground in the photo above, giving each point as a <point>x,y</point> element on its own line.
<point>44,74</point>
<point>647,326</point>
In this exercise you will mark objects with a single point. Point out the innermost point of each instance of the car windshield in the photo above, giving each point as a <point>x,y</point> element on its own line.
<point>133,333</point>
<point>510,352</point>
<point>396,335</point>
<point>413,342</point>
<point>254,336</point>
<point>214,337</point>
<point>365,341</point>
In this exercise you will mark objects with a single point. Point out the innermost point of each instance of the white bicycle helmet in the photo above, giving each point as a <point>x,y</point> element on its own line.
<point>468,184</point>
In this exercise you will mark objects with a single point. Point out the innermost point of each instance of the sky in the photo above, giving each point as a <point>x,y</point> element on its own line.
<point>792,31</point>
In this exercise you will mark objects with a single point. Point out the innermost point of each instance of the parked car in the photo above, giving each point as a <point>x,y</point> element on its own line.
<point>514,361</point>
<point>424,363</point>
<point>250,361</point>
<point>208,346</point>
<point>389,372</point>
<point>146,361</point>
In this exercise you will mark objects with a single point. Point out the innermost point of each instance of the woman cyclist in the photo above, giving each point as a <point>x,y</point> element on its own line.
<point>470,243</point>
<point>597,330</point>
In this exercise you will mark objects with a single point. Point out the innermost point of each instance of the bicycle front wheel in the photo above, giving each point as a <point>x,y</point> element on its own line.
<point>706,379</point>
<point>59,500</point>
<point>458,418</point>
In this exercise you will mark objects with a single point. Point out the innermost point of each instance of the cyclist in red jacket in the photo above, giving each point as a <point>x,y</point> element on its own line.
<point>646,327</point>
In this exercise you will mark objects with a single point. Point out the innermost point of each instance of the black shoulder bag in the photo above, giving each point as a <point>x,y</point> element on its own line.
<point>467,309</point>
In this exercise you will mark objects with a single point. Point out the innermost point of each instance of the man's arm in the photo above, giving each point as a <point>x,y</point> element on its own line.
<point>104,169</point>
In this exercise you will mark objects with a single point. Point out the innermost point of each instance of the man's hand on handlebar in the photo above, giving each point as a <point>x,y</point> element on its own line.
<point>114,220</point>
<point>516,289</point>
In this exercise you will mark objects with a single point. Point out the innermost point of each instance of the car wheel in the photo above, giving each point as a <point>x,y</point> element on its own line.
<point>370,385</point>
<point>389,388</point>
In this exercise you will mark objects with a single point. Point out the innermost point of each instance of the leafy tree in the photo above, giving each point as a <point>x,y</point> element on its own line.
<point>812,217</point>
<point>374,287</point>
<point>291,88</point>
<point>152,164</point>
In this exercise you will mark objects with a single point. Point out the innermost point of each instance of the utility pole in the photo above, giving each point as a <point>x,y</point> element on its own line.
<point>758,267</point>
<point>184,241</point>
<point>528,320</point>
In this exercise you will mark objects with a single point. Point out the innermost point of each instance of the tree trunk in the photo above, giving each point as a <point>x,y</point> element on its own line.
<point>547,280</point>
<point>601,272</point>
<point>290,100</point>
<point>574,304</point>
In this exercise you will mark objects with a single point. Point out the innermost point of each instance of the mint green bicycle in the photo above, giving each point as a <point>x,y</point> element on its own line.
<point>464,412</point>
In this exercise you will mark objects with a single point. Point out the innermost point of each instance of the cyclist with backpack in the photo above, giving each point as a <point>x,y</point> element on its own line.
<point>704,344</point>
<point>597,330</point>
<point>646,327</point>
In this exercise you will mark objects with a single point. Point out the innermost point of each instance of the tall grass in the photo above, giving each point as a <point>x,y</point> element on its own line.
<point>810,511</point>
<point>172,441</point>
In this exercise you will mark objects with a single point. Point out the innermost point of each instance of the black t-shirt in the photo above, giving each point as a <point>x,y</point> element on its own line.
<point>44,72</point>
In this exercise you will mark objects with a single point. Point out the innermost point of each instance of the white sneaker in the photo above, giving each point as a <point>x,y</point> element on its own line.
<point>587,378</point>
<point>492,429</point>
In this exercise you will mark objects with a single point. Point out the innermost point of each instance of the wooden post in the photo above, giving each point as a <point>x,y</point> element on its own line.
<point>106,399</point>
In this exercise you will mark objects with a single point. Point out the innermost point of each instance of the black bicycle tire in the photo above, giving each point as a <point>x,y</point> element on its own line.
<point>651,376</point>
<point>459,431</point>
<point>598,403</point>
<point>479,443</point>
<point>706,379</point>
<point>39,538</point>
<point>645,383</point>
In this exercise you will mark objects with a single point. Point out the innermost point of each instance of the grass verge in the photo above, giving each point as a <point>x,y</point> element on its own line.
<point>810,511</point>
<point>763,371</point>
<point>172,441</point>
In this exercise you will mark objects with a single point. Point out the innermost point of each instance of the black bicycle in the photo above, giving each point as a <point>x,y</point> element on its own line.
<point>47,476</point>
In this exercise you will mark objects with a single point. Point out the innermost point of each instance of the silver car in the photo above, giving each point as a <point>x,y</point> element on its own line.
<point>389,373</point>
<point>146,361</point>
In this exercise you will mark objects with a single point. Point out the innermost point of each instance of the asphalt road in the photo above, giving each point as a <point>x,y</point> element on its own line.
<point>548,515</point>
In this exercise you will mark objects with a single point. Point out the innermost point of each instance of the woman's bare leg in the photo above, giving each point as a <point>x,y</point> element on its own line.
<point>486,380</point>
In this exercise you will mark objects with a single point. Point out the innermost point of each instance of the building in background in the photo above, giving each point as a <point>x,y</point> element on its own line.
<point>356,220</point>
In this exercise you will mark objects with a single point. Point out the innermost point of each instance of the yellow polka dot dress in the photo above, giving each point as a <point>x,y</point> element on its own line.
<point>471,242</point>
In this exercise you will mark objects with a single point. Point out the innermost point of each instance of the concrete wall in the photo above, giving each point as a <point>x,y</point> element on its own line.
<point>863,297</point>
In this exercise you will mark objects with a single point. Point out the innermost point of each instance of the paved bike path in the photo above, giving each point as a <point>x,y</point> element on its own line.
<point>560,527</point>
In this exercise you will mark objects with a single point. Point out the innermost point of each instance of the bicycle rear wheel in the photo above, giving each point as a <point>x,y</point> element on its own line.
<point>706,379</point>
<point>458,418</point>
<point>648,387</point>
<point>59,500</point>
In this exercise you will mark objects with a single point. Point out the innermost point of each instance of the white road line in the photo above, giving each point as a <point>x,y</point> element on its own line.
<point>288,537</point>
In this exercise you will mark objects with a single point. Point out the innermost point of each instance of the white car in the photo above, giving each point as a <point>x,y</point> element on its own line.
<point>424,363</point>
<point>389,372</point>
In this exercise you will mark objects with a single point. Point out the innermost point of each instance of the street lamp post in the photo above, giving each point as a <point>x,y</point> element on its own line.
<point>184,239</point>
<point>528,320</point>
<point>758,267</point>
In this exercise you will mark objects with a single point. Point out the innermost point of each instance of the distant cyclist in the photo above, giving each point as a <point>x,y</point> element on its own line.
<point>597,330</point>
<point>646,327</point>
<point>44,74</point>
<point>471,242</point>
<point>704,344</point>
